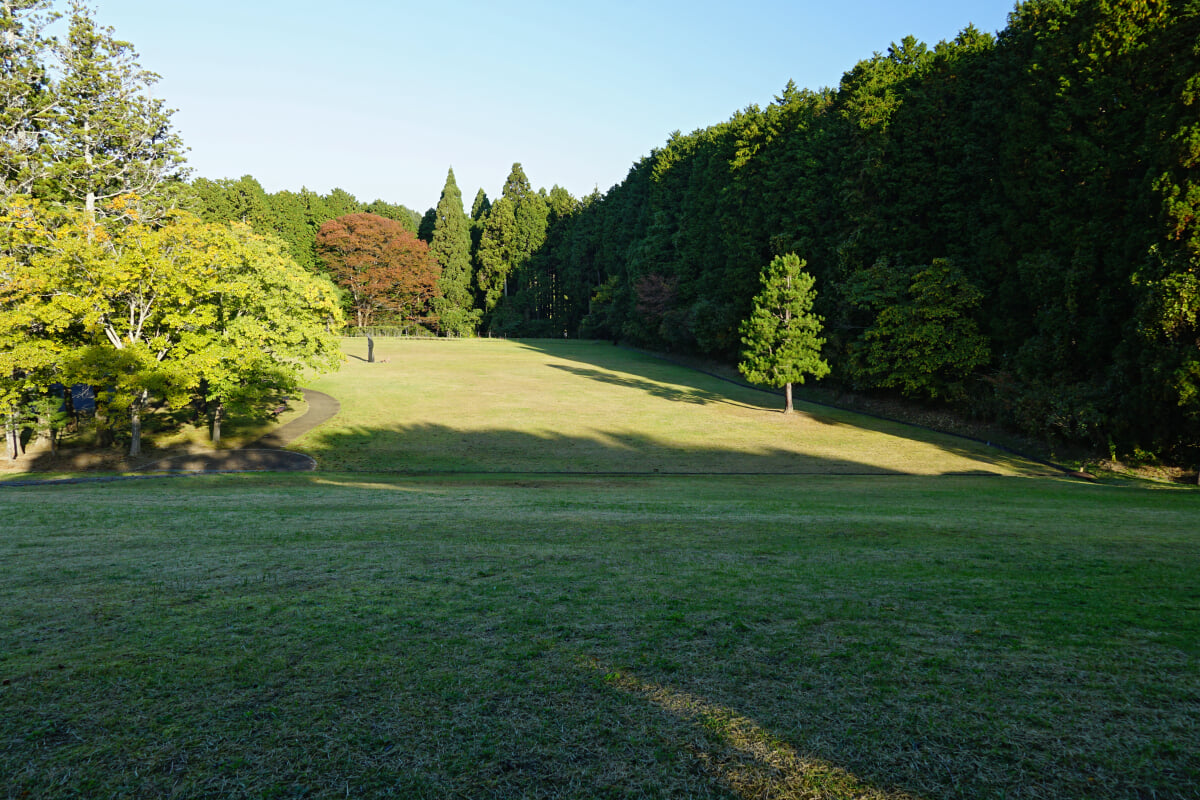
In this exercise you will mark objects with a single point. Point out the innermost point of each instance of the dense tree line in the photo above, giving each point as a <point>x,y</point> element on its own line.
<point>1005,222</point>
<point>293,217</point>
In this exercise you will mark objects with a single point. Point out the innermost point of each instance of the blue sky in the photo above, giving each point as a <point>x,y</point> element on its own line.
<point>379,98</point>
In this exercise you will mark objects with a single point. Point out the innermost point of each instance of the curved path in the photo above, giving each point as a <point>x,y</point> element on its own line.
<point>265,454</point>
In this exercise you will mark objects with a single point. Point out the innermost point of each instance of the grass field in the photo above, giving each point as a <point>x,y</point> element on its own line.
<point>888,628</point>
<point>480,405</point>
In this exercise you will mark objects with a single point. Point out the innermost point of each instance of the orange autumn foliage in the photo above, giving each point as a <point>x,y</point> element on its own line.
<point>388,272</point>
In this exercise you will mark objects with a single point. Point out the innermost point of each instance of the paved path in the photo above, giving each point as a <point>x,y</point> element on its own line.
<point>266,454</point>
<point>321,409</point>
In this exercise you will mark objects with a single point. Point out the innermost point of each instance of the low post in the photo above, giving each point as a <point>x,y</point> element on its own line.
<point>370,350</point>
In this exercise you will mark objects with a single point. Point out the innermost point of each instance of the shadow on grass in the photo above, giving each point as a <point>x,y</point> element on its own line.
<point>663,378</point>
<point>750,760</point>
<point>439,448</point>
<point>692,638</point>
<point>688,394</point>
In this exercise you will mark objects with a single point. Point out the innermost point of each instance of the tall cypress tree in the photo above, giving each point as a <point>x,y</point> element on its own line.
<point>515,230</point>
<point>451,246</point>
<point>497,252</point>
<point>481,206</point>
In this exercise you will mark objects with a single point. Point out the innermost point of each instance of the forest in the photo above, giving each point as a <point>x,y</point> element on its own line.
<point>1003,225</point>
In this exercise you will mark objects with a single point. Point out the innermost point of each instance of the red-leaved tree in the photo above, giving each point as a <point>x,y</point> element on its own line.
<point>387,270</point>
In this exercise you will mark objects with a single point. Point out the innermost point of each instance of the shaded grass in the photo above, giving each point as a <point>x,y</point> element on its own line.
<point>490,405</point>
<point>325,635</point>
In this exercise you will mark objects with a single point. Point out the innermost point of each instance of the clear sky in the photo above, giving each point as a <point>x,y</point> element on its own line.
<point>380,98</point>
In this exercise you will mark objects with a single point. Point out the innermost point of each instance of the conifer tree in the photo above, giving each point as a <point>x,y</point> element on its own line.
<point>111,137</point>
<point>515,229</point>
<point>425,229</point>
<point>782,336</point>
<point>26,101</point>
<point>451,246</point>
<point>497,252</point>
<point>479,212</point>
<point>481,206</point>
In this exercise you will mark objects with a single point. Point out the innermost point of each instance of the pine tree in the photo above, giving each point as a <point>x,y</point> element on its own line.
<point>451,246</point>
<point>782,337</point>
<point>26,100</point>
<point>111,137</point>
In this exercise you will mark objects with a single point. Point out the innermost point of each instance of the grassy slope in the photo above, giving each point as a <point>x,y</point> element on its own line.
<point>335,634</point>
<point>490,405</point>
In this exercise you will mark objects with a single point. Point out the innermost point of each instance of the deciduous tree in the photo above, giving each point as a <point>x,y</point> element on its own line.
<point>386,271</point>
<point>150,312</point>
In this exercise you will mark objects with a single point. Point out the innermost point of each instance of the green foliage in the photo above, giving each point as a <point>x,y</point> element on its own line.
<point>426,226</point>
<point>1055,165</point>
<point>514,229</point>
<point>26,95</point>
<point>497,253</point>
<point>923,340</point>
<point>110,136</point>
<point>158,312</point>
<point>451,247</point>
<point>292,217</point>
<point>782,336</point>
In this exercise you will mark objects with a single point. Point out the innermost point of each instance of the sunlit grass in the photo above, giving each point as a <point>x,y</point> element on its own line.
<point>492,405</point>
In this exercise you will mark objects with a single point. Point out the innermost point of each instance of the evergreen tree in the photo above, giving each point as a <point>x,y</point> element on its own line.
<point>497,253</point>
<point>514,231</point>
<point>451,246</point>
<point>481,206</point>
<point>425,229</point>
<point>26,100</point>
<point>782,336</point>
<point>479,212</point>
<point>922,341</point>
<point>111,138</point>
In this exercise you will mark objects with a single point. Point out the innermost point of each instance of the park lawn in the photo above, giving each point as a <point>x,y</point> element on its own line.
<point>533,612</point>
<point>335,634</point>
<point>480,405</point>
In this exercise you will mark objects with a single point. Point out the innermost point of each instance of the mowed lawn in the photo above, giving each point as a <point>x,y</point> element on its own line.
<point>899,632</point>
<point>480,405</point>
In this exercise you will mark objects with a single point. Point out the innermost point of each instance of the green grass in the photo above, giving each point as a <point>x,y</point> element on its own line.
<point>478,405</point>
<point>340,634</point>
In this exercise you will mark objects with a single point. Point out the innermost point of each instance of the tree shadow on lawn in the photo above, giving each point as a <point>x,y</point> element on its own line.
<point>440,448</point>
<point>660,377</point>
<point>676,393</point>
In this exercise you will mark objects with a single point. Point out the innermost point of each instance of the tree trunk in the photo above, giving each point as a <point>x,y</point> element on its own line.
<point>12,436</point>
<point>135,427</point>
<point>218,412</point>
<point>44,433</point>
<point>370,350</point>
<point>787,393</point>
<point>69,410</point>
<point>135,424</point>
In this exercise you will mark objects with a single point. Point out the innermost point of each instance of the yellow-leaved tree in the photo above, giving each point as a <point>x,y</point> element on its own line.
<point>161,312</point>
